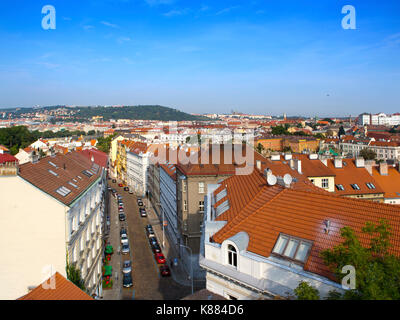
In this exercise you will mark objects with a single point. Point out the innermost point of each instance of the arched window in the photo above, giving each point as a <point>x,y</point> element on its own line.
<point>232,256</point>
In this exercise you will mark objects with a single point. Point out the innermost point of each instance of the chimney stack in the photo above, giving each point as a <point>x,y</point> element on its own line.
<point>360,162</point>
<point>369,165</point>
<point>383,168</point>
<point>297,165</point>
<point>258,163</point>
<point>338,162</point>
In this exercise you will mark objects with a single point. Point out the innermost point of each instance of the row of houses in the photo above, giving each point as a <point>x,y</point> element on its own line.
<point>52,213</point>
<point>351,146</point>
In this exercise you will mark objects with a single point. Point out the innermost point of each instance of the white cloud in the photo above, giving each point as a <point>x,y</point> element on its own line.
<point>108,24</point>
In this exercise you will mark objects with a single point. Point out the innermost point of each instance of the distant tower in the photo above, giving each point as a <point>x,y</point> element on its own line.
<point>284,116</point>
<point>350,120</point>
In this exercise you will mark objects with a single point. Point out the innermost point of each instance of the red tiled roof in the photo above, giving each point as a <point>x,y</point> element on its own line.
<point>263,212</point>
<point>5,157</point>
<point>69,167</point>
<point>64,290</point>
<point>99,157</point>
<point>350,174</point>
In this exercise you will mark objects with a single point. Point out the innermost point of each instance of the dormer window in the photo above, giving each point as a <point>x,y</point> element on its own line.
<point>292,248</point>
<point>232,256</point>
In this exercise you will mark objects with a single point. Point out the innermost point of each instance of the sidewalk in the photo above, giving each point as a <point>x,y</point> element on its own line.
<point>116,292</point>
<point>179,274</point>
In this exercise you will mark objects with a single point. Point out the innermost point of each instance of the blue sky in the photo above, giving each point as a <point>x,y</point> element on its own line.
<point>269,57</point>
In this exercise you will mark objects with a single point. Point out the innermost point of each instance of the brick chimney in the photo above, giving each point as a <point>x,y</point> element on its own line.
<point>383,168</point>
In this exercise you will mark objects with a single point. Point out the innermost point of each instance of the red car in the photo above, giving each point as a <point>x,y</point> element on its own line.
<point>164,271</point>
<point>120,185</point>
<point>159,258</point>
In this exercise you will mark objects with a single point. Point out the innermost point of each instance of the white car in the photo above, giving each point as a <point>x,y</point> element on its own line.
<point>124,239</point>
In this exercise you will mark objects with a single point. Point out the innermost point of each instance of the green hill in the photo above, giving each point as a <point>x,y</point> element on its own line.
<point>137,112</point>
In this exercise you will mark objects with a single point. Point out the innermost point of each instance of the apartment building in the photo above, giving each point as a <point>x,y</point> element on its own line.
<point>52,212</point>
<point>379,119</point>
<point>137,163</point>
<point>264,235</point>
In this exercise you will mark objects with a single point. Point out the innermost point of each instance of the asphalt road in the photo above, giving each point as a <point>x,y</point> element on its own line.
<point>147,282</point>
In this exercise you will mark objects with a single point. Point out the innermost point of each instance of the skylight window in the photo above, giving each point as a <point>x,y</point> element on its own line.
<point>73,184</point>
<point>221,195</point>
<point>340,187</point>
<point>355,186</point>
<point>63,191</point>
<point>370,185</point>
<point>224,206</point>
<point>292,248</point>
<point>53,173</point>
<point>53,164</point>
<point>87,173</point>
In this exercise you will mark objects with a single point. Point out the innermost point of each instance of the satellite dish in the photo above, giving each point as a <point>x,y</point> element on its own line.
<point>271,179</point>
<point>287,179</point>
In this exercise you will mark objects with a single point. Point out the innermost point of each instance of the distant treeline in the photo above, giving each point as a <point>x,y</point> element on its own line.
<point>18,137</point>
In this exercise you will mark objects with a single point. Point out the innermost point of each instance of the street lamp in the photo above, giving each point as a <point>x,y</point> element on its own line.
<point>191,263</point>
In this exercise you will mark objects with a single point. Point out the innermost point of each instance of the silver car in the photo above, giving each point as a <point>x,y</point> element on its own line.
<point>125,249</point>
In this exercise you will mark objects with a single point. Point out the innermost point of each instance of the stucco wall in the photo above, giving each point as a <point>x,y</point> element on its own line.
<point>32,236</point>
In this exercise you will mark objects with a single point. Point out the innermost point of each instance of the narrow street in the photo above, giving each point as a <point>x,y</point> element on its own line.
<point>147,281</point>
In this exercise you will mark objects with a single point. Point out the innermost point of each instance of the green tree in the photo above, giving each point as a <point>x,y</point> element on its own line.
<point>260,148</point>
<point>368,154</point>
<point>304,291</point>
<point>279,130</point>
<point>74,275</point>
<point>377,270</point>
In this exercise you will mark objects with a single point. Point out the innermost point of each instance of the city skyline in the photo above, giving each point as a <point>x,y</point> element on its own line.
<point>200,57</point>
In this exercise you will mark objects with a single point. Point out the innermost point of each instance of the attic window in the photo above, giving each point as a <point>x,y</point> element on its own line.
<point>340,187</point>
<point>73,184</point>
<point>370,185</point>
<point>355,186</point>
<point>292,248</point>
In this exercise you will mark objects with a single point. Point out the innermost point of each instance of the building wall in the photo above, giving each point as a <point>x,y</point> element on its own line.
<point>274,144</point>
<point>32,236</point>
<point>318,182</point>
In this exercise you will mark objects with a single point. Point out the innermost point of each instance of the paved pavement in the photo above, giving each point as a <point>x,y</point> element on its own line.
<point>147,281</point>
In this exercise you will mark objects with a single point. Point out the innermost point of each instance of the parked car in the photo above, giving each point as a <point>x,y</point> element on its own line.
<point>153,241</point>
<point>125,249</point>
<point>140,203</point>
<point>122,231</point>
<point>114,192</point>
<point>119,197</point>
<point>127,280</point>
<point>142,212</point>
<point>124,239</point>
<point>159,258</point>
<point>164,271</point>
<point>121,210</point>
<point>120,185</point>
<point>127,267</point>
<point>109,188</point>
<point>114,181</point>
<point>156,248</point>
<point>108,220</point>
<point>151,234</point>
<point>122,217</point>
<point>130,192</point>
<point>126,188</point>
<point>149,227</point>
